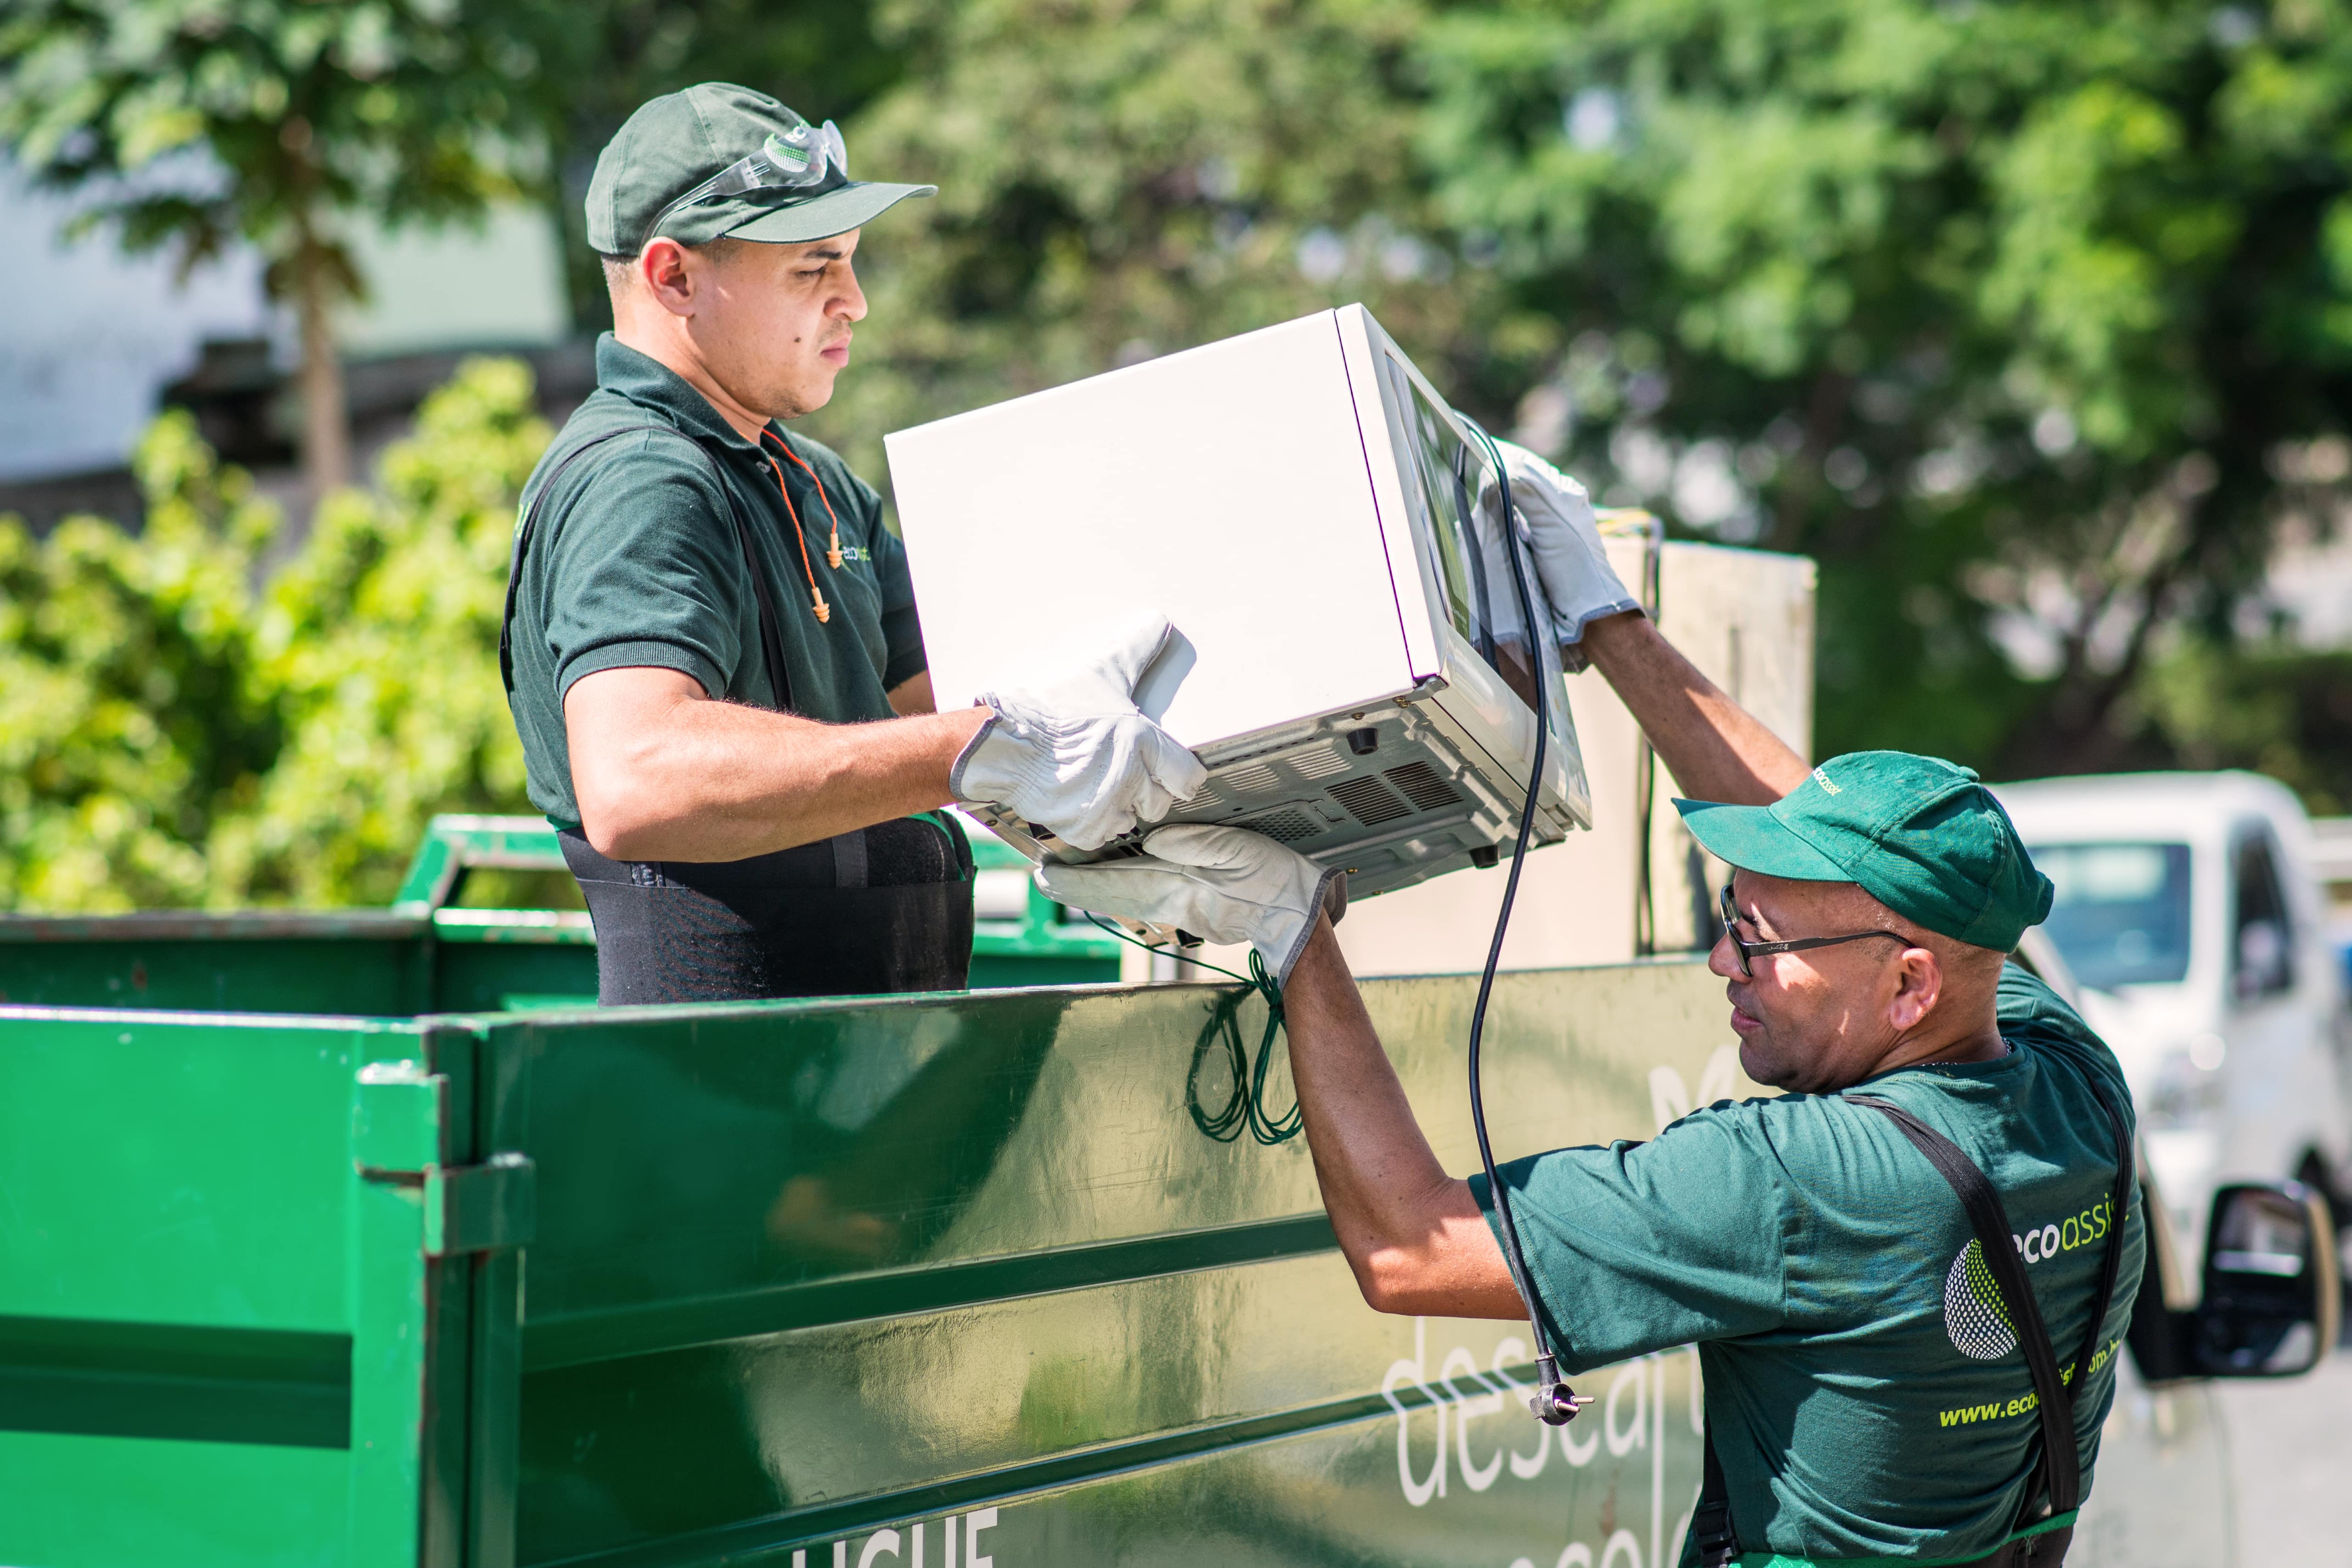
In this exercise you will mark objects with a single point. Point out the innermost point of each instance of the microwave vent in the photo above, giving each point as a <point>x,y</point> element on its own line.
<point>1319,763</point>
<point>1257,778</point>
<point>1287,826</point>
<point>1371,801</point>
<point>1424,786</point>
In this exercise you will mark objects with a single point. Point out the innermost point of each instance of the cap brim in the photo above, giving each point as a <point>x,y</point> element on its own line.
<point>1753,838</point>
<point>835,213</point>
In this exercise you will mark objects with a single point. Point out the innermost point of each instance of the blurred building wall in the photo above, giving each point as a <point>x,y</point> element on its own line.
<point>87,336</point>
<point>500,285</point>
<point>90,338</point>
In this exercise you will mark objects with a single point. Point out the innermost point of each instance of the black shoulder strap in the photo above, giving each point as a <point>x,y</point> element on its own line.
<point>1711,1522</point>
<point>772,643</point>
<point>2061,1461</point>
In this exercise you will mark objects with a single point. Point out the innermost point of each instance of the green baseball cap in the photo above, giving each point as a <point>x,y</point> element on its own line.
<point>1919,834</point>
<point>679,144</point>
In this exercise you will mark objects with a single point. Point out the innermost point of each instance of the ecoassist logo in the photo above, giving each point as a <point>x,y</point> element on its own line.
<point>1973,1314</point>
<point>1975,1317</point>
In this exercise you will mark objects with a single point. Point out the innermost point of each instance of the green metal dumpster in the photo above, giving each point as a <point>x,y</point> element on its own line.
<point>938,1280</point>
<point>427,954</point>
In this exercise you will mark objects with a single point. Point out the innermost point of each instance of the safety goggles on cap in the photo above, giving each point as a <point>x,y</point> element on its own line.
<point>793,160</point>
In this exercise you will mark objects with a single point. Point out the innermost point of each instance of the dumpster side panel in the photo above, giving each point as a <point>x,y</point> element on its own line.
<point>360,971</point>
<point>186,1374</point>
<point>1452,1473</point>
<point>493,976</point>
<point>999,971</point>
<point>166,1170</point>
<point>126,1502</point>
<point>808,1274</point>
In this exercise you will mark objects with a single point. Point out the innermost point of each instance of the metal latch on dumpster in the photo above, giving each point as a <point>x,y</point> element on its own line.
<point>399,1136</point>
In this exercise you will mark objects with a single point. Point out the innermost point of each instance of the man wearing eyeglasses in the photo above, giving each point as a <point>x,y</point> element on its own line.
<point>710,641</point>
<point>1865,1395</point>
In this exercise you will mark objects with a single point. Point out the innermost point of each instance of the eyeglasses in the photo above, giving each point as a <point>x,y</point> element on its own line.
<point>787,160</point>
<point>1748,950</point>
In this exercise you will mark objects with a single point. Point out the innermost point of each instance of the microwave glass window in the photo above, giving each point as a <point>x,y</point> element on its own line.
<point>1432,489</point>
<point>1453,489</point>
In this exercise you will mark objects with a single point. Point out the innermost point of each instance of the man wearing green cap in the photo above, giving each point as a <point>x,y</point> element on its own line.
<point>1866,1391</point>
<point>711,643</point>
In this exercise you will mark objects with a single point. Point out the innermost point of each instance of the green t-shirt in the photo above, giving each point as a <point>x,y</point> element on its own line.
<point>632,560</point>
<point>1863,1402</point>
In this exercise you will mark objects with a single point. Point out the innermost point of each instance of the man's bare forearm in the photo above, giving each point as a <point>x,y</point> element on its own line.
<point>663,773</point>
<point>1716,749</point>
<point>1412,1233</point>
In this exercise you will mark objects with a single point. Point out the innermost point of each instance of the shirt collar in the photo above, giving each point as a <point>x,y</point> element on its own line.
<point>2009,1057</point>
<point>647,383</point>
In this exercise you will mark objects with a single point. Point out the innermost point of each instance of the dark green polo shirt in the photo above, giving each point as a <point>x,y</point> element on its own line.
<point>1866,1402</point>
<point>632,560</point>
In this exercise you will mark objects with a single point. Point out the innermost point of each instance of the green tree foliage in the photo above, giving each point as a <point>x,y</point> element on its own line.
<point>169,737</point>
<point>2003,310</point>
<point>377,649</point>
<point>2283,711</point>
<point>128,717</point>
<point>303,111</point>
<point>1118,180</point>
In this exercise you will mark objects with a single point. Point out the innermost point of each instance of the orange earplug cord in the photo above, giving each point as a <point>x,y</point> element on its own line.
<point>833,553</point>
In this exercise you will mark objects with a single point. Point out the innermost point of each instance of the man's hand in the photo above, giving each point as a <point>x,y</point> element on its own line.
<point>1223,884</point>
<point>1075,755</point>
<point>1565,539</point>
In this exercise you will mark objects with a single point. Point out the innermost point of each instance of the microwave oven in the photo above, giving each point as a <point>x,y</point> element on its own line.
<point>1326,535</point>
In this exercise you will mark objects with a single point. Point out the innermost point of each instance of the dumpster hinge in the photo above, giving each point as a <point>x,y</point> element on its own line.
<point>400,1137</point>
<point>486,1207</point>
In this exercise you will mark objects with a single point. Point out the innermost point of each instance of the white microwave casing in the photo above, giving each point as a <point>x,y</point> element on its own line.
<point>1321,528</point>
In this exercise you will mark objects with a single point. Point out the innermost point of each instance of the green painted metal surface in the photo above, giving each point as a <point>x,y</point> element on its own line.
<point>425,955</point>
<point>363,961</point>
<point>196,1300</point>
<point>799,1283</point>
<point>912,1263</point>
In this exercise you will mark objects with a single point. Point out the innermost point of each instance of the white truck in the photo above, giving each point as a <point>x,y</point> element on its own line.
<point>2188,911</point>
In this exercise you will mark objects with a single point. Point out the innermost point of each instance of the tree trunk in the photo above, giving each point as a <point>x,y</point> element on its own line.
<point>326,420</point>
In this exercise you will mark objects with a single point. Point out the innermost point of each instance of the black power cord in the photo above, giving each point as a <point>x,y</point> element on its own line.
<point>1553,1402</point>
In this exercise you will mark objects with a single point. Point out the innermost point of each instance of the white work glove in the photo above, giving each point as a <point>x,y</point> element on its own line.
<point>1075,755</point>
<point>1565,540</point>
<point>1225,884</point>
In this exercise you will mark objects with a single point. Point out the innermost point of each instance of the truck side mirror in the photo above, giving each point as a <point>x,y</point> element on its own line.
<point>2272,1294</point>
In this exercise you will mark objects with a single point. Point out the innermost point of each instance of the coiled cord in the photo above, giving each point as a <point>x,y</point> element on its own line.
<point>1246,1107</point>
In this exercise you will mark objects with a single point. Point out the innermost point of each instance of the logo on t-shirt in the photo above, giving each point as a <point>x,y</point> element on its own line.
<point>1973,1314</point>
